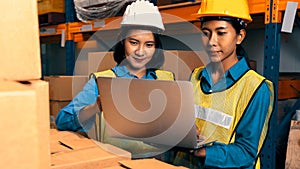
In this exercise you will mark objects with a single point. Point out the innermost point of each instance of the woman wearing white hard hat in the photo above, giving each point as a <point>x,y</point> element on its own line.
<point>138,55</point>
<point>233,102</point>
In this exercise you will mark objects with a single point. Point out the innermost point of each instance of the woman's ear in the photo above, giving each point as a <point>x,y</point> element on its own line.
<point>241,36</point>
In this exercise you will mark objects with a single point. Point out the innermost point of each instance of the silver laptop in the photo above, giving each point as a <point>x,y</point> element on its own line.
<point>157,112</point>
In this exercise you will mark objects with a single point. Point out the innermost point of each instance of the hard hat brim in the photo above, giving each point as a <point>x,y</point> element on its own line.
<point>197,15</point>
<point>142,26</point>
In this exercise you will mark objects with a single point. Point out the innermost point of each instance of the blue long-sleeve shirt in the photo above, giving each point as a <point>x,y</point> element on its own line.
<point>67,118</point>
<point>249,129</point>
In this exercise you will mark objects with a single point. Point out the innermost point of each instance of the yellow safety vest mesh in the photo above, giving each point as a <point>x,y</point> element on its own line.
<point>233,103</point>
<point>228,105</point>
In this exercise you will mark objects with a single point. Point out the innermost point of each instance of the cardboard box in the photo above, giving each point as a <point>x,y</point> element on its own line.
<point>55,107</point>
<point>148,163</point>
<point>42,93</point>
<point>293,147</point>
<point>81,67</point>
<point>20,44</point>
<point>99,61</point>
<point>64,88</point>
<point>83,49</point>
<point>89,158</point>
<point>66,141</point>
<point>20,132</point>
<point>89,44</point>
<point>182,63</point>
<point>115,167</point>
<point>82,153</point>
<point>47,6</point>
<point>288,88</point>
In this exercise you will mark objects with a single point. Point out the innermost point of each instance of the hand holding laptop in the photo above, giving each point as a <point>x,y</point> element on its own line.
<point>99,103</point>
<point>201,140</point>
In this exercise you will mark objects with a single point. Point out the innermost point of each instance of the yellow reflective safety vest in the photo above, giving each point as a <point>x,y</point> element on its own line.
<point>137,148</point>
<point>219,113</point>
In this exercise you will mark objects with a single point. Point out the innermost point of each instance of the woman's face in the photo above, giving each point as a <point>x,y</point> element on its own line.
<point>220,39</point>
<point>139,48</point>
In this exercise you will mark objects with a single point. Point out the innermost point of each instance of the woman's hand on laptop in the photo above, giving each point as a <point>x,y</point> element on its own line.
<point>89,111</point>
<point>199,152</point>
<point>99,103</point>
<point>199,136</point>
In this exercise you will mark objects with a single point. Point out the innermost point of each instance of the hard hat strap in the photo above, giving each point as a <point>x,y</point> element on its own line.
<point>240,22</point>
<point>142,27</point>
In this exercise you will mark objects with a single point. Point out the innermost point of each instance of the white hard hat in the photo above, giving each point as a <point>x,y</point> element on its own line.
<point>142,13</point>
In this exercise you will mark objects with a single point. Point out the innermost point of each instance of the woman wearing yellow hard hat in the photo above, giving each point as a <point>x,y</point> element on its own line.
<point>233,103</point>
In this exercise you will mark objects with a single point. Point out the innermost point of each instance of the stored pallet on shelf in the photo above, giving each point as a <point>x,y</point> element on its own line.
<point>47,6</point>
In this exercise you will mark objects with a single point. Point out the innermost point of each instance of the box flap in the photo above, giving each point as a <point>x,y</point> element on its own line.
<point>64,141</point>
<point>150,163</point>
<point>89,158</point>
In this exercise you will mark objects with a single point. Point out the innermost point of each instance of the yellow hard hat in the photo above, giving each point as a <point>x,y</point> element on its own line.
<point>231,8</point>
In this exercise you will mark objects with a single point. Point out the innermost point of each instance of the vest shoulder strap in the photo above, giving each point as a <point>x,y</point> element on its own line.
<point>105,73</point>
<point>196,73</point>
<point>164,75</point>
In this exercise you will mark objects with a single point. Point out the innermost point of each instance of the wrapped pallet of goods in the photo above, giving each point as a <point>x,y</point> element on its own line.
<point>98,9</point>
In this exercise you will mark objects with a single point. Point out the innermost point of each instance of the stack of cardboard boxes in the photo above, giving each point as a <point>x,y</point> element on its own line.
<point>62,89</point>
<point>70,150</point>
<point>24,122</point>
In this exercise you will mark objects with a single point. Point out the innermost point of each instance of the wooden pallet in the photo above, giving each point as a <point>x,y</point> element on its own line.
<point>52,18</point>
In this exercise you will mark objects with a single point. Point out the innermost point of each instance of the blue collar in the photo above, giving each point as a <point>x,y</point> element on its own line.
<point>122,71</point>
<point>235,72</point>
<point>239,69</point>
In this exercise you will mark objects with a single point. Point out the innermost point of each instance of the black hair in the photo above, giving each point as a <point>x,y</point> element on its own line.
<point>238,24</point>
<point>158,57</point>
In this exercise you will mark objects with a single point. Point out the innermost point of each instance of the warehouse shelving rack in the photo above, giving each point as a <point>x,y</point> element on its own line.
<point>270,10</point>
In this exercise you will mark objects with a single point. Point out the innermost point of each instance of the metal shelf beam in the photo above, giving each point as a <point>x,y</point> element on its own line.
<point>70,44</point>
<point>271,72</point>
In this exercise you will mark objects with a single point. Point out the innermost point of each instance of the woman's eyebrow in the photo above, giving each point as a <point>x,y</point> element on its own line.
<point>218,28</point>
<point>130,38</point>
<point>221,27</point>
<point>150,41</point>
